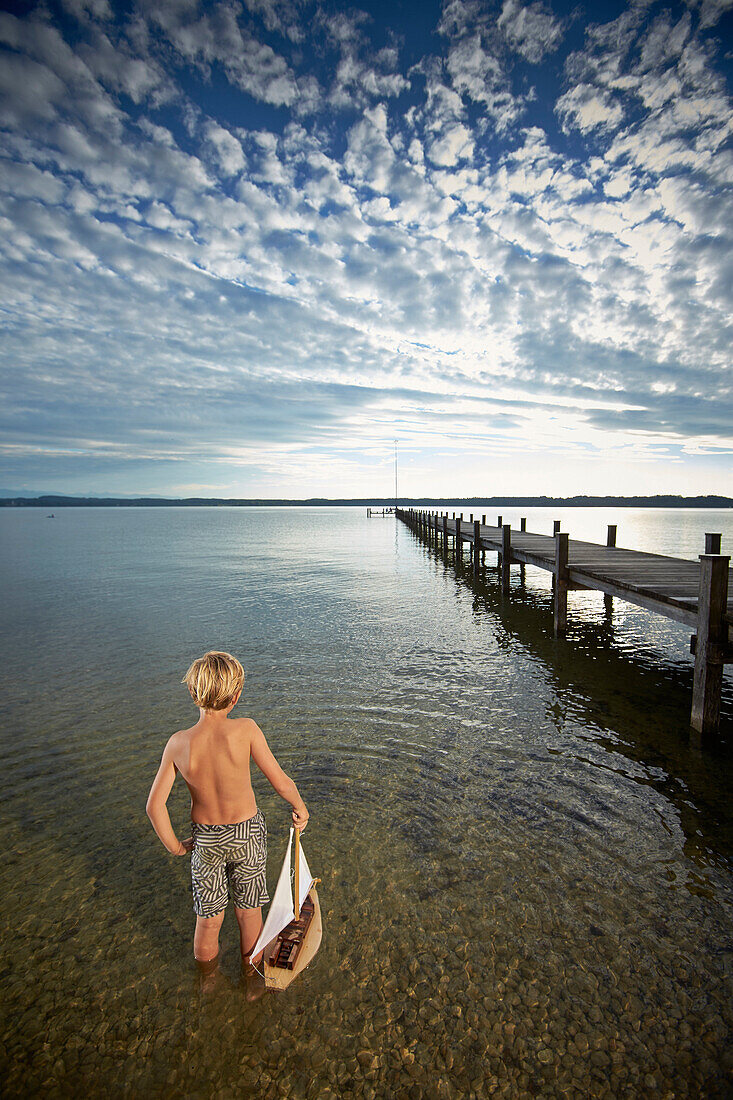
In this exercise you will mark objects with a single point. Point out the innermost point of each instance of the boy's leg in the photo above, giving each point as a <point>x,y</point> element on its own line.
<point>206,937</point>
<point>250,926</point>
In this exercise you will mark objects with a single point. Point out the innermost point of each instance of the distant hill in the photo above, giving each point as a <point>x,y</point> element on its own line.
<point>31,494</point>
<point>49,500</point>
<point>19,494</point>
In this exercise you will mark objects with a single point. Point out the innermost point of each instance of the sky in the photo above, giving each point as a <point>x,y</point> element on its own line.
<point>247,245</point>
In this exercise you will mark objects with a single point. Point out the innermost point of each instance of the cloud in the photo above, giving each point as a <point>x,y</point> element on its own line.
<point>530,29</point>
<point>227,149</point>
<point>712,10</point>
<point>586,108</point>
<point>219,223</point>
<point>453,145</point>
<point>217,37</point>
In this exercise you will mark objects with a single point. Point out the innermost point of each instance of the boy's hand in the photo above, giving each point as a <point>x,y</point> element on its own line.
<point>186,846</point>
<point>300,818</point>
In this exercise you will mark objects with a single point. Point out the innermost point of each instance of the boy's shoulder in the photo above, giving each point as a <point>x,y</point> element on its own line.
<point>179,738</point>
<point>245,725</point>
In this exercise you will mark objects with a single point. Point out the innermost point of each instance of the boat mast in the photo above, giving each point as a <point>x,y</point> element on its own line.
<point>297,874</point>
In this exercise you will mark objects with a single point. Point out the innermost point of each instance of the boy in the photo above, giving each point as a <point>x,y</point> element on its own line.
<point>229,840</point>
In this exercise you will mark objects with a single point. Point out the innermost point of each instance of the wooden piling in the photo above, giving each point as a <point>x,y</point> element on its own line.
<point>561,584</point>
<point>445,534</point>
<point>555,526</point>
<point>710,644</point>
<point>712,543</point>
<point>506,555</point>
<point>457,548</point>
<point>610,543</point>
<point>476,546</point>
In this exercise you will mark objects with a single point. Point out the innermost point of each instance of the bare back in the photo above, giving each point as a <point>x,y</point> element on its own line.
<point>213,758</point>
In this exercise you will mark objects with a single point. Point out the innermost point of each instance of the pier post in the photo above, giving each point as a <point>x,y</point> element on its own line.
<point>523,523</point>
<point>499,523</point>
<point>476,546</point>
<point>506,555</point>
<point>561,584</point>
<point>611,543</point>
<point>712,543</point>
<point>522,572</point>
<point>457,549</point>
<point>710,644</point>
<point>445,534</point>
<point>483,552</point>
<point>555,526</point>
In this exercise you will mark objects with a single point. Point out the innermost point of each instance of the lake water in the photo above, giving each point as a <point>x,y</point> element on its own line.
<point>526,868</point>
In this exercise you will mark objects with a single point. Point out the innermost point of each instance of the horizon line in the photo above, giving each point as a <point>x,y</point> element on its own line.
<point>61,500</point>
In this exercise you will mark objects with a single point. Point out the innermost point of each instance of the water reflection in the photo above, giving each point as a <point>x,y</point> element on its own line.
<point>622,697</point>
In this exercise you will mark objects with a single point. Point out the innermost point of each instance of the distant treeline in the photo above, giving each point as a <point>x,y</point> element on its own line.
<point>660,501</point>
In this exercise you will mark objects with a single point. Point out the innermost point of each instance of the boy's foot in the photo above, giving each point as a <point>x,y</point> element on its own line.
<point>210,977</point>
<point>253,982</point>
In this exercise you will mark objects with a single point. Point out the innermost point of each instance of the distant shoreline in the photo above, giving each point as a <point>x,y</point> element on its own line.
<point>659,501</point>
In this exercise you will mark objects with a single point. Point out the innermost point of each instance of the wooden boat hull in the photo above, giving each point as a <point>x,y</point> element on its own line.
<point>279,978</point>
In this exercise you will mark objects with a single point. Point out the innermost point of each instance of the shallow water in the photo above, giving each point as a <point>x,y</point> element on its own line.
<point>526,863</point>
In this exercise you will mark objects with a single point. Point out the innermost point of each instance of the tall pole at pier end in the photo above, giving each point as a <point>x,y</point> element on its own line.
<point>395,477</point>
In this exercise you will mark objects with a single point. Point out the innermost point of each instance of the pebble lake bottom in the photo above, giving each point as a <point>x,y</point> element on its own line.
<point>525,862</point>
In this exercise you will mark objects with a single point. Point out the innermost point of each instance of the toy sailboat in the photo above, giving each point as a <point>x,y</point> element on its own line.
<point>292,932</point>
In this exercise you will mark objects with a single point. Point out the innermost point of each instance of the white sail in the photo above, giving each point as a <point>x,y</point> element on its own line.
<point>305,880</point>
<point>281,907</point>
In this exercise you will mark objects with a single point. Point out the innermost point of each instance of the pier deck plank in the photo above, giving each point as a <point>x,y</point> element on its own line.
<point>659,583</point>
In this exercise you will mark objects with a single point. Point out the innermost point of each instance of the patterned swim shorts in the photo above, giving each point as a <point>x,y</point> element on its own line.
<point>236,854</point>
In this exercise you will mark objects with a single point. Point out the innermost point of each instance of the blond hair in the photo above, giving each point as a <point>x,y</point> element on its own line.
<point>214,680</point>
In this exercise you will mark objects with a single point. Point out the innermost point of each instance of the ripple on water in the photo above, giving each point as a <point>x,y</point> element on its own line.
<point>525,869</point>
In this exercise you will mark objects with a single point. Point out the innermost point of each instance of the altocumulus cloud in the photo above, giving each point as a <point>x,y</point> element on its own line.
<point>247,243</point>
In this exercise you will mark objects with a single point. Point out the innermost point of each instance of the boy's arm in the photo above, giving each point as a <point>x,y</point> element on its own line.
<point>156,808</point>
<point>283,784</point>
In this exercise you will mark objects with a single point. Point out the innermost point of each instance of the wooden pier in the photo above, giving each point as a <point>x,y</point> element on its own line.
<point>696,593</point>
